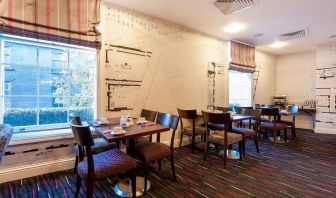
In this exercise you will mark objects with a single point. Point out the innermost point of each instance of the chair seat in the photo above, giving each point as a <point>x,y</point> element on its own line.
<point>151,151</point>
<point>287,122</point>
<point>100,145</point>
<point>244,131</point>
<point>199,130</point>
<point>108,163</point>
<point>217,137</point>
<point>270,125</point>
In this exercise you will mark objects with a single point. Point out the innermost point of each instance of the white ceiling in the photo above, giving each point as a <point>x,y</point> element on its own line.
<point>270,18</point>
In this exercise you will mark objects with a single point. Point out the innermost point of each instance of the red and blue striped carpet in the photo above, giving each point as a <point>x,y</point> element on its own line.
<point>303,168</point>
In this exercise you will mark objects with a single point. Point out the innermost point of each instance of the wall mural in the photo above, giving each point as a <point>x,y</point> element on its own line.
<point>326,88</point>
<point>151,63</point>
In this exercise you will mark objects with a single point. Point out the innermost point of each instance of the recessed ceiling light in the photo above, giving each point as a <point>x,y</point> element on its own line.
<point>278,44</point>
<point>234,27</point>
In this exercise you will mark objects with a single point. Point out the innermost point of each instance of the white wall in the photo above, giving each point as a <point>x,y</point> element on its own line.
<point>266,82</point>
<point>295,78</point>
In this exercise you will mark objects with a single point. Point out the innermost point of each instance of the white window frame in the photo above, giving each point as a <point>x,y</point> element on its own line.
<point>47,44</point>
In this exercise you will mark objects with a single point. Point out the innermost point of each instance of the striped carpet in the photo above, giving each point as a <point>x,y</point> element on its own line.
<point>303,168</point>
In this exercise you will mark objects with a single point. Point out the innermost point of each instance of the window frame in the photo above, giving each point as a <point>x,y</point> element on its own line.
<point>251,87</point>
<point>50,45</point>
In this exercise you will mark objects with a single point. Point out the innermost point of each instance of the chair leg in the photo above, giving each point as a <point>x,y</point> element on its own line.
<point>217,149</point>
<point>256,142</point>
<point>133,183</point>
<point>145,177</point>
<point>172,164</point>
<point>224,155</point>
<point>78,185</point>
<point>159,164</point>
<point>181,139</point>
<point>89,189</point>
<point>285,133</point>
<point>76,164</point>
<point>241,152</point>
<point>293,132</point>
<point>274,137</point>
<point>243,145</point>
<point>193,144</point>
<point>206,150</point>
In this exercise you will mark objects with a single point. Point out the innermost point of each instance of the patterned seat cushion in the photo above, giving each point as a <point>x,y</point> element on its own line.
<point>270,125</point>
<point>151,151</point>
<point>108,163</point>
<point>287,122</point>
<point>217,137</point>
<point>100,145</point>
<point>199,130</point>
<point>6,132</point>
<point>244,131</point>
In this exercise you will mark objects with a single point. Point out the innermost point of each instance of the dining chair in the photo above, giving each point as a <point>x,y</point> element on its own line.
<point>252,130</point>
<point>273,124</point>
<point>99,166</point>
<point>149,152</point>
<point>293,110</point>
<point>100,145</point>
<point>220,137</point>
<point>190,129</point>
<point>150,116</point>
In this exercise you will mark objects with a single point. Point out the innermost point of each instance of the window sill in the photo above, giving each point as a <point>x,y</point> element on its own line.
<point>40,136</point>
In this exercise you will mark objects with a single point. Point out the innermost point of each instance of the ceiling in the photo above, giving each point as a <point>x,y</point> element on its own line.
<point>270,18</point>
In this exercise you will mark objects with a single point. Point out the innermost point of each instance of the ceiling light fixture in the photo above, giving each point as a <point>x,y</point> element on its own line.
<point>278,44</point>
<point>234,27</point>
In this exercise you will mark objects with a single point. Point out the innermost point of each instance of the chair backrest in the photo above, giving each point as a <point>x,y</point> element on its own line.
<point>6,132</point>
<point>223,109</point>
<point>271,112</point>
<point>267,106</point>
<point>76,120</point>
<point>169,121</point>
<point>256,113</point>
<point>216,118</point>
<point>148,114</point>
<point>293,108</point>
<point>187,114</point>
<point>239,109</point>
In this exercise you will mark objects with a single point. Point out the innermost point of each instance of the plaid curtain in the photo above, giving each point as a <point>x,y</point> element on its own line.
<point>242,57</point>
<point>66,21</point>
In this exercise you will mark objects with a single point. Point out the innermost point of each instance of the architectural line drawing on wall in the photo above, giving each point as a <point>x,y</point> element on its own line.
<point>255,78</point>
<point>327,72</point>
<point>126,68</point>
<point>214,70</point>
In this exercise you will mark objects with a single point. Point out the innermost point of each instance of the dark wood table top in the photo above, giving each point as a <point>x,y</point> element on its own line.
<point>132,132</point>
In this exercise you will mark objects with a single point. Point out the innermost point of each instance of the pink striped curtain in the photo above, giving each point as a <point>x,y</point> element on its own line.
<point>242,57</point>
<point>67,21</point>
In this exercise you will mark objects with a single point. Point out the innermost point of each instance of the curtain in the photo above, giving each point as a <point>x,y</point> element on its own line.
<point>242,57</point>
<point>66,21</point>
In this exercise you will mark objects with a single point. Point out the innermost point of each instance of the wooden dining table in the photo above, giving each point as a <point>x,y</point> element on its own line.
<point>132,133</point>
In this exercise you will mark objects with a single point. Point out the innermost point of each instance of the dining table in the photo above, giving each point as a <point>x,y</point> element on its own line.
<point>130,135</point>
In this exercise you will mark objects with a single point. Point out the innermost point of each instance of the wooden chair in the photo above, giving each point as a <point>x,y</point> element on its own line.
<point>99,166</point>
<point>149,116</point>
<point>223,138</point>
<point>253,129</point>
<point>100,145</point>
<point>149,152</point>
<point>192,130</point>
<point>293,109</point>
<point>273,125</point>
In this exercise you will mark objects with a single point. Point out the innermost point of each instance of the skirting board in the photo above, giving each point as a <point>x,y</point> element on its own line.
<point>21,172</point>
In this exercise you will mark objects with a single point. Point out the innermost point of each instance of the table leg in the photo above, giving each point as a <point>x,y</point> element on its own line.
<point>123,188</point>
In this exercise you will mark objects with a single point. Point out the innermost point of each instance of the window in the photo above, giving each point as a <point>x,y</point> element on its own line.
<point>42,83</point>
<point>240,88</point>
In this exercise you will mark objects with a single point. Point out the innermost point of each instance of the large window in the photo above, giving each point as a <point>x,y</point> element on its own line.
<point>43,83</point>
<point>240,88</point>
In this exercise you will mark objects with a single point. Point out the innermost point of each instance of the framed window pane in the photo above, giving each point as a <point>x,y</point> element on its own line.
<point>21,80</point>
<point>20,111</point>
<point>19,54</point>
<point>240,88</point>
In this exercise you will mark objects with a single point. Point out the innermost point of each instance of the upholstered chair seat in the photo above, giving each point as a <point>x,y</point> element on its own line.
<point>150,151</point>
<point>245,131</point>
<point>270,125</point>
<point>217,138</point>
<point>107,163</point>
